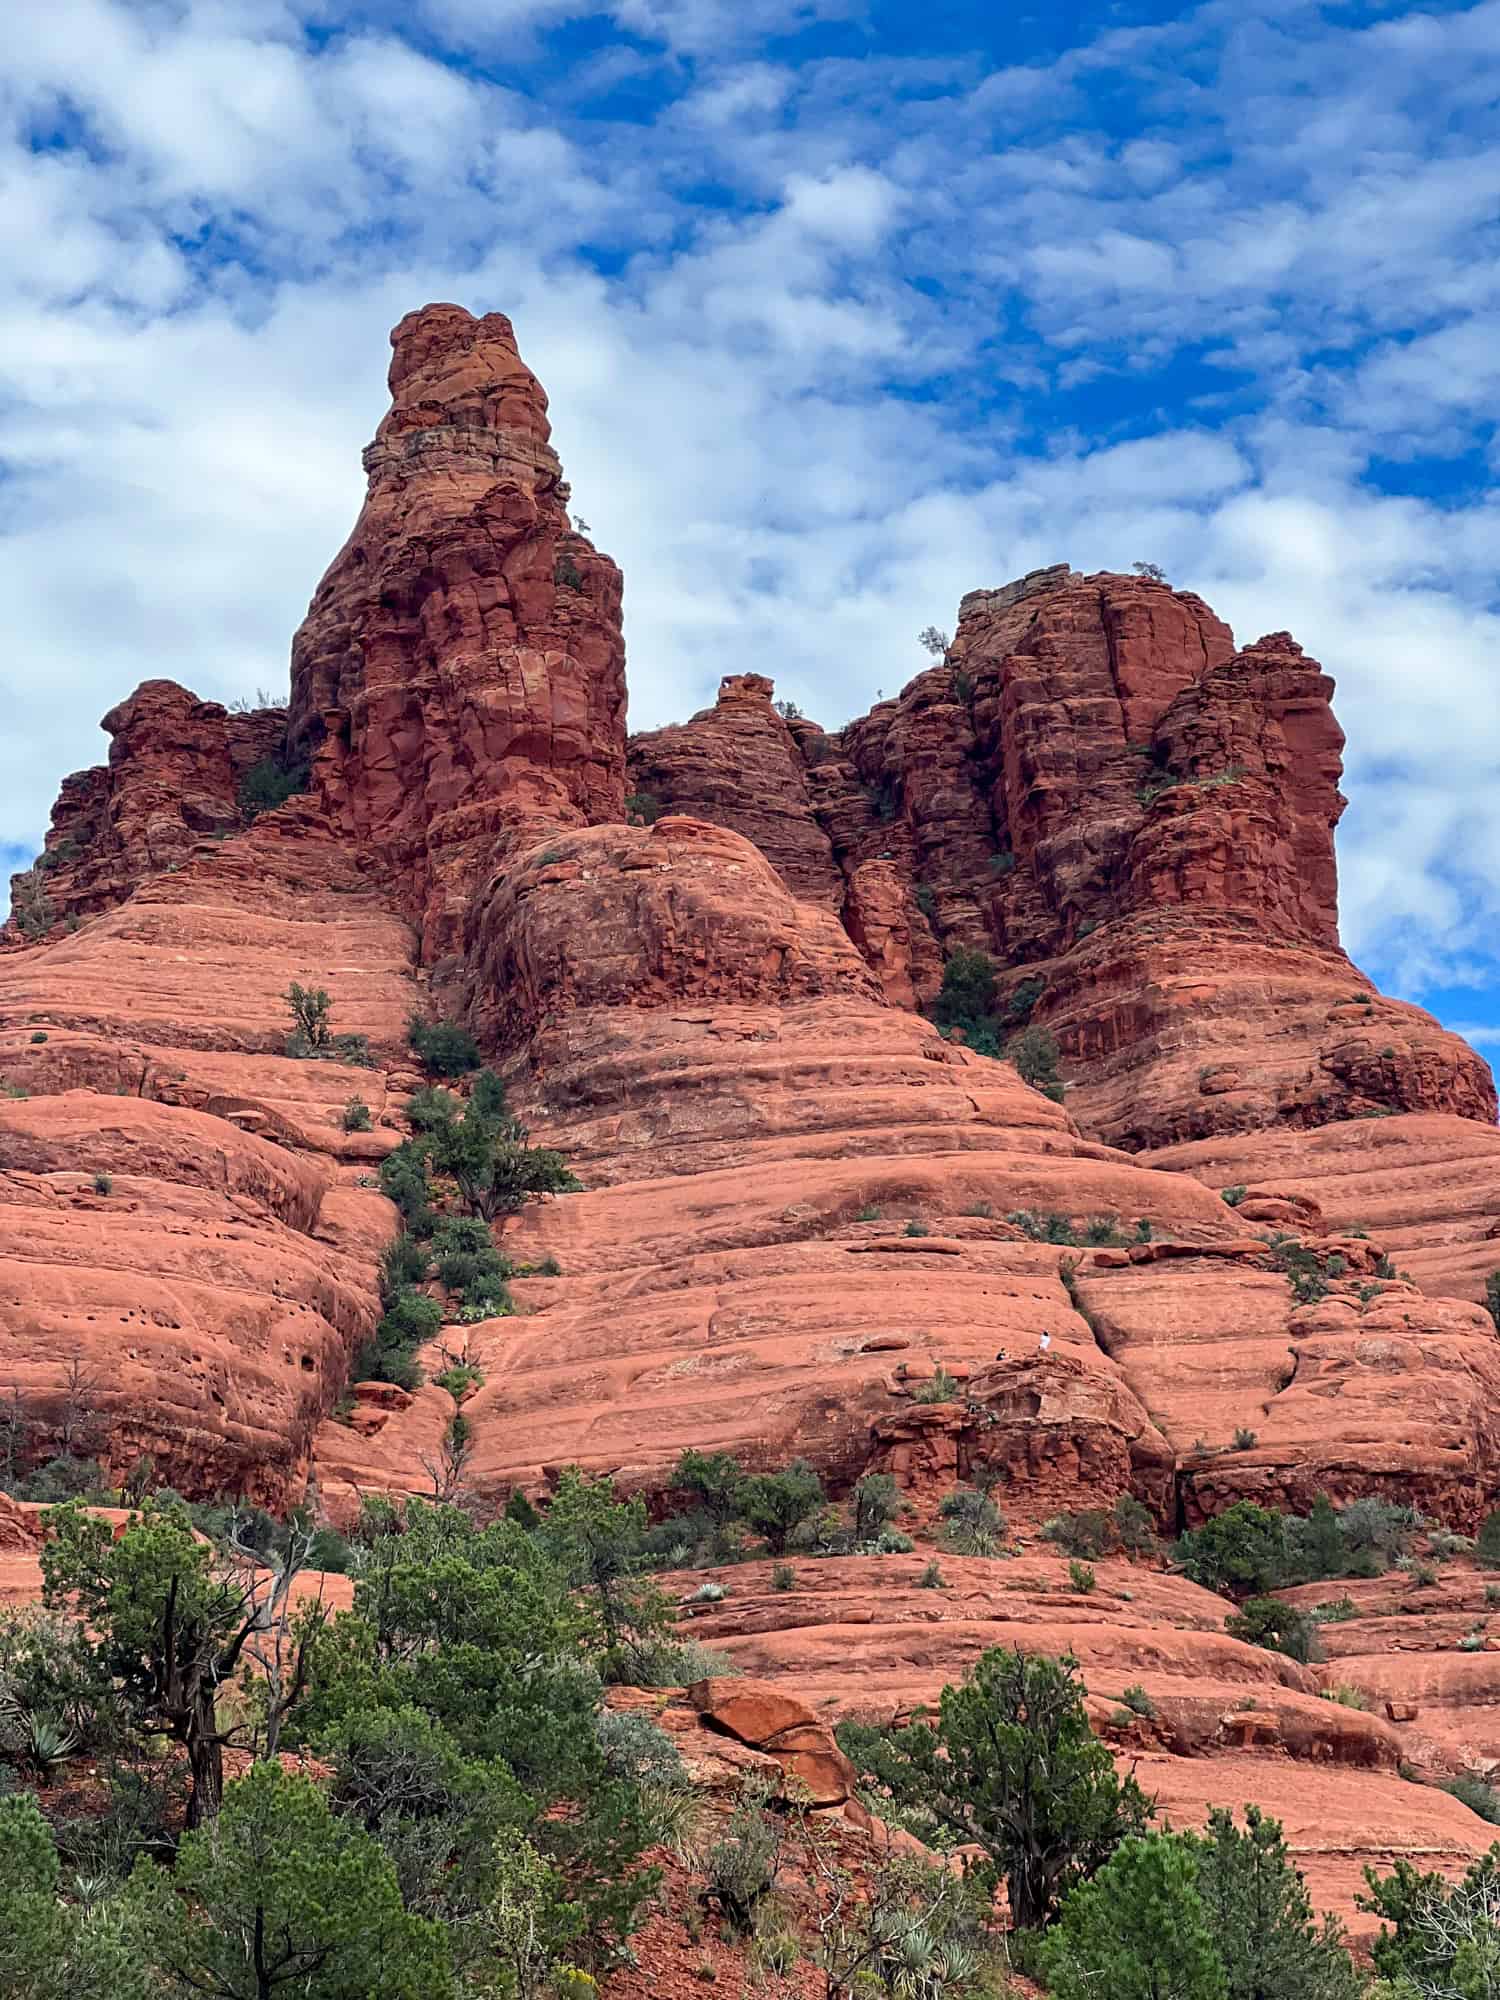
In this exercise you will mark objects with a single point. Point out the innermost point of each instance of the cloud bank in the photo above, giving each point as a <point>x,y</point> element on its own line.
<point>839,319</point>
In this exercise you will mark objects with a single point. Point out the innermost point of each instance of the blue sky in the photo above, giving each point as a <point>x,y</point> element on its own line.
<point>844,307</point>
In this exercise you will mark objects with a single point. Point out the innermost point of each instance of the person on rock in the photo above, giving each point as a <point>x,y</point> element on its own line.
<point>1045,1342</point>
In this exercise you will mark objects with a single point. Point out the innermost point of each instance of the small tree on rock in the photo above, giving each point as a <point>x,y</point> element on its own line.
<point>312,1011</point>
<point>1013,1767</point>
<point>777,1503</point>
<point>491,1159</point>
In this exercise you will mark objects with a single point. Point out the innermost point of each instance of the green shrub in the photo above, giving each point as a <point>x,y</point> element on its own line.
<point>1081,1577</point>
<point>1245,1440</point>
<point>1141,1925</point>
<point>1278,1626</point>
<point>1134,1526</point>
<point>443,1048</point>
<point>972,1524</point>
<point>1242,1551</point>
<point>742,1865</point>
<point>775,1504</point>
<point>1034,1053</point>
<point>1012,1767</point>
<point>892,1542</point>
<point>410,1320</point>
<point>939,1387</point>
<point>783,1576</point>
<point>270,783</point>
<point>1476,1795</point>
<point>312,1014</point>
<point>917,1229</point>
<point>403,1264</point>
<point>1103,1229</point>
<point>357,1116</point>
<point>1336,1611</point>
<point>1345,1696</point>
<point>637,1751</point>
<point>403,1180</point>
<point>281,1866</point>
<point>877,1501</point>
<point>932,1577</point>
<point>432,1106</point>
<point>1436,1937</point>
<point>1487,1542</point>
<point>103,1184</point>
<point>1049,1228</point>
<point>458,1380</point>
<point>1090,1532</point>
<point>66,1477</point>
<point>1261,1918</point>
<point>966,999</point>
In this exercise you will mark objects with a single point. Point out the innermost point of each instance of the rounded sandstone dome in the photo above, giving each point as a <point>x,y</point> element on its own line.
<point>621,916</point>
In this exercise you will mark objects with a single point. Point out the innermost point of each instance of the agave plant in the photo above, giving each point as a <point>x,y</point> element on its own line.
<point>46,1744</point>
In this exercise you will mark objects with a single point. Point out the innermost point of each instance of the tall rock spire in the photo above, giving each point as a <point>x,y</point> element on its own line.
<point>461,670</point>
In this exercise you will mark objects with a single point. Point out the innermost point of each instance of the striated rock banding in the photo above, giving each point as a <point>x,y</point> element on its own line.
<point>809,1224</point>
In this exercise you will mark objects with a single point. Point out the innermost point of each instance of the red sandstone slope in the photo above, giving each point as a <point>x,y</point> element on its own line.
<point>796,1191</point>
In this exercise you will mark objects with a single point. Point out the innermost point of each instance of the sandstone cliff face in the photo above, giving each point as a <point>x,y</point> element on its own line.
<point>169,792</point>
<point>460,673</point>
<point>1096,788</point>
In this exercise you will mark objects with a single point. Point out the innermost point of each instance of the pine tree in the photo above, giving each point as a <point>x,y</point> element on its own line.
<point>282,1896</point>
<point>1013,1767</point>
<point>1261,1918</point>
<point>1138,1931</point>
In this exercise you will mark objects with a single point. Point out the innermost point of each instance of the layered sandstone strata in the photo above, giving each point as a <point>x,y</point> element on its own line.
<point>1097,789</point>
<point>809,1224</point>
<point>187,1254</point>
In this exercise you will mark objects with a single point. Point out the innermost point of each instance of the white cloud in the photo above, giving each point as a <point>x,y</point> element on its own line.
<point>811,403</point>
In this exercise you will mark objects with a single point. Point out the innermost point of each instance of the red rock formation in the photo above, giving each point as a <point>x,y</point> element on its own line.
<point>185,1269</point>
<point>1228,1721</point>
<point>739,764</point>
<point>1426,1187</point>
<point>169,792</point>
<point>1097,789</point>
<point>460,671</point>
<point>808,1221</point>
